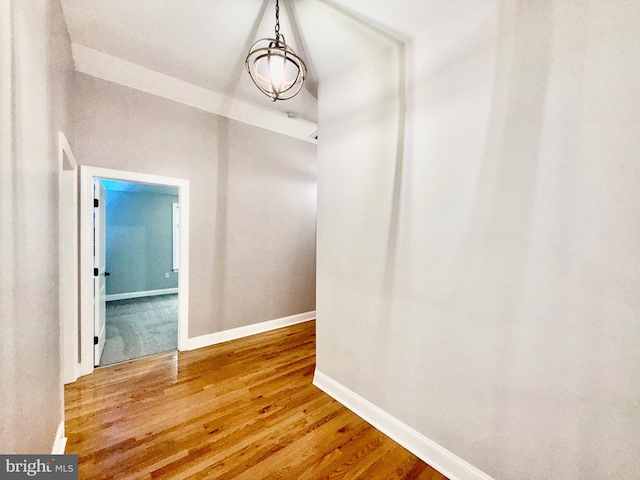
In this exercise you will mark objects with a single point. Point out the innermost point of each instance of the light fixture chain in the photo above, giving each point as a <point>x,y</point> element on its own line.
<point>277,19</point>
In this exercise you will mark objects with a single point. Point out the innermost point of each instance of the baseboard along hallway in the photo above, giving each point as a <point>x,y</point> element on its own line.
<point>244,409</point>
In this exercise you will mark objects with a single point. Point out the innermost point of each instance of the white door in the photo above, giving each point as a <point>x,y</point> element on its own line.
<point>100,273</point>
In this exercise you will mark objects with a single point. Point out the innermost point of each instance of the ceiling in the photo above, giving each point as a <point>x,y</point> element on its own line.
<point>205,42</point>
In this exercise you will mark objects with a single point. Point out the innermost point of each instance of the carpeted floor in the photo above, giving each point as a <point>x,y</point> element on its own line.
<point>140,327</point>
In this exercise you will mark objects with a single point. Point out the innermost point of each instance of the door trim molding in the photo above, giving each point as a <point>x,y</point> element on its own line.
<point>87,174</point>
<point>68,240</point>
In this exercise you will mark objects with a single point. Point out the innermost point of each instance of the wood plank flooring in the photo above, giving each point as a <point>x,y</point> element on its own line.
<point>244,410</point>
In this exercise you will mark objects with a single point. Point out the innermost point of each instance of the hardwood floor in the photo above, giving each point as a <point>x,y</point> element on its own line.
<point>244,409</point>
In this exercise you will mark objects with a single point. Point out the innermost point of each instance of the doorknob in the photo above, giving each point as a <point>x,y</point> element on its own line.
<point>106,274</point>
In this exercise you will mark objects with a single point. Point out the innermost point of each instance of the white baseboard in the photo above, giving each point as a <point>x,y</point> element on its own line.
<point>70,373</point>
<point>240,332</point>
<point>146,293</point>
<point>422,447</point>
<point>60,442</point>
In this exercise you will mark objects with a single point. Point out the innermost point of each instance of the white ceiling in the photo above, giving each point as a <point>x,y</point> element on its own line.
<point>205,42</point>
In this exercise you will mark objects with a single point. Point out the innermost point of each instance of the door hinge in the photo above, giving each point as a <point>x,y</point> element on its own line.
<point>95,340</point>
<point>95,272</point>
<point>96,202</point>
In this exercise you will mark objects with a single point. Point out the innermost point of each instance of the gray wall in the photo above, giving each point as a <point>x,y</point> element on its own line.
<point>139,241</point>
<point>36,70</point>
<point>253,198</point>
<point>481,283</point>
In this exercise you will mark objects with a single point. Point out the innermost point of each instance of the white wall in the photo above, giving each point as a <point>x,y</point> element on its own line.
<point>252,198</point>
<point>36,70</point>
<point>489,297</point>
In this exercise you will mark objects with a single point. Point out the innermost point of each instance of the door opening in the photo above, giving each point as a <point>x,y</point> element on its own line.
<point>97,274</point>
<point>136,257</point>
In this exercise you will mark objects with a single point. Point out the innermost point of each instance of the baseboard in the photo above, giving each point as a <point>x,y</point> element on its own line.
<point>240,332</point>
<point>60,442</point>
<point>422,447</point>
<point>70,372</point>
<point>146,293</point>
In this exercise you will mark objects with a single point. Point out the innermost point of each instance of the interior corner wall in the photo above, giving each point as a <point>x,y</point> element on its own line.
<point>139,230</point>
<point>36,70</point>
<point>252,197</point>
<point>357,166</point>
<point>489,300</point>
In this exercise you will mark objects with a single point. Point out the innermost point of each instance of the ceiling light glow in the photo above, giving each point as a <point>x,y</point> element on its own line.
<point>274,67</point>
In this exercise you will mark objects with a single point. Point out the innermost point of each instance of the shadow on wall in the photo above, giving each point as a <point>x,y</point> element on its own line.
<point>501,222</point>
<point>389,276</point>
<point>497,241</point>
<point>510,257</point>
<point>378,112</point>
<point>220,294</point>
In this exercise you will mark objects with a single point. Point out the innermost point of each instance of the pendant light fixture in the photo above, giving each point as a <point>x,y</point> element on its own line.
<point>274,67</point>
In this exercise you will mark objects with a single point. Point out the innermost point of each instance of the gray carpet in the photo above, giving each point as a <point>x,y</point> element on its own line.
<point>140,327</point>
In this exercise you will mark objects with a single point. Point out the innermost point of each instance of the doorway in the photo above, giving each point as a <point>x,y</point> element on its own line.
<point>138,270</point>
<point>98,293</point>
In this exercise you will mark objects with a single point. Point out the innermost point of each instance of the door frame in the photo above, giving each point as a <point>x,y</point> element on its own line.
<point>87,176</point>
<point>68,242</point>
<point>99,262</point>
